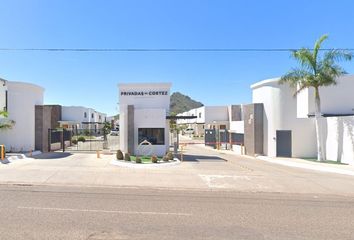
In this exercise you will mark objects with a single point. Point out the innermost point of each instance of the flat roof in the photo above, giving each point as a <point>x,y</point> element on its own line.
<point>264,82</point>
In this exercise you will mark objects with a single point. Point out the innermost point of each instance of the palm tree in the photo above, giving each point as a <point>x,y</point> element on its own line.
<point>4,123</point>
<point>315,71</point>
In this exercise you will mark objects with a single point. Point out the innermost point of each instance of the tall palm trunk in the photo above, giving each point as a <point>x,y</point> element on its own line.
<point>318,126</point>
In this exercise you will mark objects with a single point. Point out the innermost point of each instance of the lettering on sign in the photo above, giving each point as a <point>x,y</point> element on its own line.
<point>144,93</point>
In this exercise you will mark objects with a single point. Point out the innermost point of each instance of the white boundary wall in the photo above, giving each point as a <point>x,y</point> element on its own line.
<point>22,98</point>
<point>339,134</point>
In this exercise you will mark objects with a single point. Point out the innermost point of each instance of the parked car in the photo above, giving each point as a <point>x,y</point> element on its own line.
<point>114,132</point>
<point>188,131</point>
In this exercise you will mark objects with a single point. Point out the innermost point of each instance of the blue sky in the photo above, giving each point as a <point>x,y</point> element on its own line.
<point>214,78</point>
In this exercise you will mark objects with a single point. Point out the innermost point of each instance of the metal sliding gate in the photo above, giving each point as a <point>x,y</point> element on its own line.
<point>58,139</point>
<point>223,138</point>
<point>81,140</point>
<point>215,137</point>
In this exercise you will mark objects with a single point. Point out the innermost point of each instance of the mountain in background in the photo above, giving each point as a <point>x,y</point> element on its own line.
<point>181,103</point>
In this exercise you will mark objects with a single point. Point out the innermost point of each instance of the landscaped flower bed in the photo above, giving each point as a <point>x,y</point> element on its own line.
<point>145,159</point>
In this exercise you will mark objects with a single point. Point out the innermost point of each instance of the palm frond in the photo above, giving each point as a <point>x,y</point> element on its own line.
<point>329,73</point>
<point>305,58</point>
<point>318,44</point>
<point>298,79</point>
<point>337,55</point>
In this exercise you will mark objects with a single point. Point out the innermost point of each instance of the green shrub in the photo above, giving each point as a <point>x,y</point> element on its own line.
<point>170,156</point>
<point>154,159</point>
<point>120,155</point>
<point>165,158</point>
<point>81,139</point>
<point>127,157</point>
<point>74,141</point>
<point>138,159</point>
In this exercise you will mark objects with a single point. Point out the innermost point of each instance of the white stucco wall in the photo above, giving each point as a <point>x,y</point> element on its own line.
<point>145,106</point>
<point>237,126</point>
<point>76,114</point>
<point>339,134</point>
<point>151,118</point>
<point>336,99</point>
<point>3,89</point>
<point>280,113</point>
<point>22,98</point>
<point>216,113</point>
<point>190,113</point>
<point>205,115</point>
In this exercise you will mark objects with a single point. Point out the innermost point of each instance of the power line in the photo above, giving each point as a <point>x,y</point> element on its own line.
<point>164,49</point>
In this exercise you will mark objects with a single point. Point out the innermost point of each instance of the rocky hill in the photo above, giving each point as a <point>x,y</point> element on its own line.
<point>181,103</point>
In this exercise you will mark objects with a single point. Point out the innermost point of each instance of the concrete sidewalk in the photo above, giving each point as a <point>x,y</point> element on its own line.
<point>82,169</point>
<point>316,166</point>
<point>201,170</point>
<point>297,163</point>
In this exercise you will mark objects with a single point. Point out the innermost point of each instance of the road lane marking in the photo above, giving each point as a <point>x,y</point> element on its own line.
<point>104,211</point>
<point>218,181</point>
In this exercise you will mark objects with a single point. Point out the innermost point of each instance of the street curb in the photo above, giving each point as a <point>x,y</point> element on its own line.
<point>290,164</point>
<point>306,166</point>
<point>144,166</point>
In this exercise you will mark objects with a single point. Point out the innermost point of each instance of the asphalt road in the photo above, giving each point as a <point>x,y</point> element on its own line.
<point>50,212</point>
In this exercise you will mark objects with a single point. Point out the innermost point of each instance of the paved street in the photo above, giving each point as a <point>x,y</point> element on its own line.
<point>202,168</point>
<point>135,213</point>
<point>210,195</point>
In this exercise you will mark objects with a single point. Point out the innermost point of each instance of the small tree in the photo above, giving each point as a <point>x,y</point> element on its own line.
<point>316,71</point>
<point>106,130</point>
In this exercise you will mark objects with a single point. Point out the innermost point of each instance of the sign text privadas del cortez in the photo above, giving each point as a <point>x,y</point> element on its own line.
<point>144,93</point>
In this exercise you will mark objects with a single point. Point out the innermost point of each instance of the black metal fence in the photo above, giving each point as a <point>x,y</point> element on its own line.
<point>224,138</point>
<point>81,140</point>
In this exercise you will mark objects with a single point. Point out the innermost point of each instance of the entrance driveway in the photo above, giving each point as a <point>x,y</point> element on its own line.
<point>202,169</point>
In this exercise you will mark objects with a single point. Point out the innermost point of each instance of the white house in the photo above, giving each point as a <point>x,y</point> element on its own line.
<point>144,108</point>
<point>20,99</point>
<point>206,117</point>
<point>284,134</point>
<point>82,118</point>
<point>289,128</point>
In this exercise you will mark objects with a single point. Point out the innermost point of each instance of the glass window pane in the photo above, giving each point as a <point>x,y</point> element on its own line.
<point>156,136</point>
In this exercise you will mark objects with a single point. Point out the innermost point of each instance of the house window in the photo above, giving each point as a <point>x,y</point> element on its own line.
<point>91,115</point>
<point>200,115</point>
<point>85,114</point>
<point>99,117</point>
<point>156,136</point>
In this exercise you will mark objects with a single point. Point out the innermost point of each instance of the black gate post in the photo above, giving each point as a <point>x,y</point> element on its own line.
<point>49,139</point>
<point>63,140</point>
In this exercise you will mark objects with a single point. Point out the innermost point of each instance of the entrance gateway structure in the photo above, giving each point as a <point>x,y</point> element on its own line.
<point>143,109</point>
